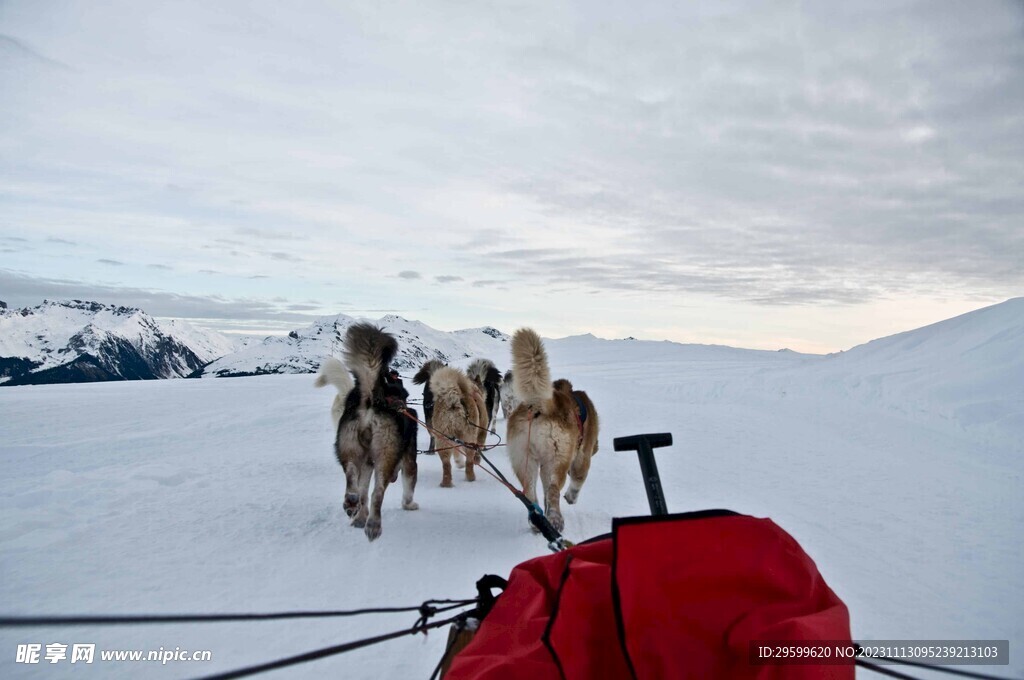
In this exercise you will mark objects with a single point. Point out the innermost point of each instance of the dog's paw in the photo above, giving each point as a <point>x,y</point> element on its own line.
<point>557,522</point>
<point>351,505</point>
<point>571,496</point>
<point>358,522</point>
<point>470,475</point>
<point>460,463</point>
<point>372,529</point>
<point>447,483</point>
<point>410,506</point>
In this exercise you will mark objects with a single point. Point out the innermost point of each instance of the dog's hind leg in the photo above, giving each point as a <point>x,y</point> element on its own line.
<point>365,471</point>
<point>552,478</point>
<point>384,470</point>
<point>577,475</point>
<point>470,456</point>
<point>409,474</point>
<point>525,466</point>
<point>445,454</point>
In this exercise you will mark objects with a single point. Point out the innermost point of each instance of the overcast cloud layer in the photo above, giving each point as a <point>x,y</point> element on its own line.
<point>765,174</point>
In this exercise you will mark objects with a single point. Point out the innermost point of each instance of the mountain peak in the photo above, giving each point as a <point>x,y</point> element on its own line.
<point>90,306</point>
<point>63,341</point>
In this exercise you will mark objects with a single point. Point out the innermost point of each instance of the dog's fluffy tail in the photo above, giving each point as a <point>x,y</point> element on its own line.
<point>368,350</point>
<point>427,370</point>
<point>479,369</point>
<point>531,377</point>
<point>333,372</point>
<point>450,387</point>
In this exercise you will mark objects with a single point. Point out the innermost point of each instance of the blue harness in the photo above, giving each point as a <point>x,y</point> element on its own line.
<point>582,408</point>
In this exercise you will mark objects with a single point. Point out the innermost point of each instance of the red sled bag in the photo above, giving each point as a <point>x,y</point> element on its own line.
<point>674,596</point>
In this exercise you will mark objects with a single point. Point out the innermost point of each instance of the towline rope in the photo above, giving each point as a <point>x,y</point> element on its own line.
<point>556,542</point>
<point>135,619</point>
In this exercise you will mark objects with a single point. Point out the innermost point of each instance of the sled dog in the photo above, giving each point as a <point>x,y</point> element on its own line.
<point>423,378</point>
<point>333,372</point>
<point>374,439</point>
<point>553,431</point>
<point>488,379</point>
<point>458,413</point>
<point>508,396</point>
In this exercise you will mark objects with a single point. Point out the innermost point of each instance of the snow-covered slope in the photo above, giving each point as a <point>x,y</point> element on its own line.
<point>301,351</point>
<point>225,496</point>
<point>76,341</point>
<point>207,345</point>
<point>967,372</point>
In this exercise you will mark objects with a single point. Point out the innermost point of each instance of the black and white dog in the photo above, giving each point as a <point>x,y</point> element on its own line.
<point>488,379</point>
<point>374,438</point>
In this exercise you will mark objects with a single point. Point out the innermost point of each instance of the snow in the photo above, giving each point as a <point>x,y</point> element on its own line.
<point>207,345</point>
<point>897,465</point>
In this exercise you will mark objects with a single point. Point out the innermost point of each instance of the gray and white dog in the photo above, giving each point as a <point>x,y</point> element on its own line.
<point>508,395</point>
<point>374,437</point>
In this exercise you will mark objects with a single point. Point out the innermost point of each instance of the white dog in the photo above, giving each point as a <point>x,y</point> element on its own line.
<point>333,372</point>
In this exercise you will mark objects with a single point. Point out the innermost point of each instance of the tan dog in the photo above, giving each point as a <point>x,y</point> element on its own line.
<point>553,431</point>
<point>458,412</point>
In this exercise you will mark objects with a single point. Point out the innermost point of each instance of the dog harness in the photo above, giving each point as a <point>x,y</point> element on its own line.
<point>581,415</point>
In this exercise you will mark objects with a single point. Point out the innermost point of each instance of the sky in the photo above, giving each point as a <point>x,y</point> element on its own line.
<point>809,175</point>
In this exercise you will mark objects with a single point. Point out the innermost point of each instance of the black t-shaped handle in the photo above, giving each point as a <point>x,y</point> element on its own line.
<point>644,445</point>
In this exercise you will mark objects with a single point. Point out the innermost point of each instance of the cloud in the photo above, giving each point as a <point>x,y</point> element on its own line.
<point>757,153</point>
<point>112,263</point>
<point>162,267</point>
<point>284,257</point>
<point>21,290</point>
<point>266,234</point>
<point>12,47</point>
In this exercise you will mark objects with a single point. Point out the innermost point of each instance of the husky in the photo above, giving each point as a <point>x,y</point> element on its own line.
<point>508,396</point>
<point>423,378</point>
<point>553,431</point>
<point>458,417</point>
<point>375,438</point>
<point>488,379</point>
<point>333,372</point>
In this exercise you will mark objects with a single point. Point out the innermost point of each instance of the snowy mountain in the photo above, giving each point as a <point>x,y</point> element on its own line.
<point>301,351</point>
<point>76,341</point>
